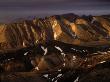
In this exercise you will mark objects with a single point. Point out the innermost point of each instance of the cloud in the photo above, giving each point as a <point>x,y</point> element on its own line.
<point>20,8</point>
<point>27,1</point>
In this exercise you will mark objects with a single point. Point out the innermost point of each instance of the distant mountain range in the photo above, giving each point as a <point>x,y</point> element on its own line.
<point>67,28</point>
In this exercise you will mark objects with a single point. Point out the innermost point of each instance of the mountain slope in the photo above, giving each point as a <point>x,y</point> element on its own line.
<point>67,28</point>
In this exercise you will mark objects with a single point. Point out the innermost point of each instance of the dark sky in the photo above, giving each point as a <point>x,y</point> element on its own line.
<point>12,9</point>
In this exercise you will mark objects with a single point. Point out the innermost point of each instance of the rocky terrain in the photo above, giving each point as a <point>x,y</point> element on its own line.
<point>59,48</point>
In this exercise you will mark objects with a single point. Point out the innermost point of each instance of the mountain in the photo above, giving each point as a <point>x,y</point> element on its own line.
<point>59,48</point>
<point>67,28</point>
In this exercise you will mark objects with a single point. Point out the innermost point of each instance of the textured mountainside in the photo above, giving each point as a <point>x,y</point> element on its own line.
<point>60,48</point>
<point>67,28</point>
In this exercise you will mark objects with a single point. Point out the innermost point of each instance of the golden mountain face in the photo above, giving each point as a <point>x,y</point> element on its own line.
<point>70,29</point>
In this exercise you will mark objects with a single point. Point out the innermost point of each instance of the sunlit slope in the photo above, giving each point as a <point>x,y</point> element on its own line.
<point>67,28</point>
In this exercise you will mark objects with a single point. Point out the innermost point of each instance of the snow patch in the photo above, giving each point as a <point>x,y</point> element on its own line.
<point>25,53</point>
<point>103,62</point>
<point>45,50</point>
<point>46,75</point>
<point>59,75</point>
<point>59,48</point>
<point>59,70</point>
<point>77,79</point>
<point>37,68</point>
<point>74,57</point>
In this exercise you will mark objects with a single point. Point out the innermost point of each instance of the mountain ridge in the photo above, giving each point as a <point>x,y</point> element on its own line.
<point>68,28</point>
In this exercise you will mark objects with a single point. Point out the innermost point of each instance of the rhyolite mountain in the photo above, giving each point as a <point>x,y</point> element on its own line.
<point>67,28</point>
